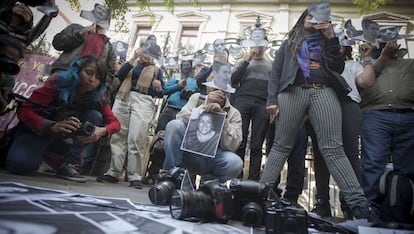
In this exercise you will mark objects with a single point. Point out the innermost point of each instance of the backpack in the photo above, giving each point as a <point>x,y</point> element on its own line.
<point>396,197</point>
<point>156,158</point>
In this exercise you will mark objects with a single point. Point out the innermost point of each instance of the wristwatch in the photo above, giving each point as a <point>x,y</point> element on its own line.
<point>367,62</point>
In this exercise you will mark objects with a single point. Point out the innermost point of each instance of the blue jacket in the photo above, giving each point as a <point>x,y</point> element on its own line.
<point>173,90</point>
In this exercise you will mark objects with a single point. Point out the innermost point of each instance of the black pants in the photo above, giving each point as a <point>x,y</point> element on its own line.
<point>253,111</point>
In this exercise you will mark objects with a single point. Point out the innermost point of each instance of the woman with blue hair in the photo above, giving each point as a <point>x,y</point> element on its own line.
<point>71,110</point>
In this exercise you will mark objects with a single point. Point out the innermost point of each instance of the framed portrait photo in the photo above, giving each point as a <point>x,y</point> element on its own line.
<point>202,135</point>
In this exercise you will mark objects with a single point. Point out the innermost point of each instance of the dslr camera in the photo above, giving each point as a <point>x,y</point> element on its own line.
<point>85,128</point>
<point>211,202</point>
<point>186,94</point>
<point>283,217</point>
<point>250,199</point>
<point>8,65</point>
<point>167,182</point>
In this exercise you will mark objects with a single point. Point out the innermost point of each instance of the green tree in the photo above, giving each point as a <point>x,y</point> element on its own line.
<point>120,7</point>
<point>40,46</point>
<point>367,6</point>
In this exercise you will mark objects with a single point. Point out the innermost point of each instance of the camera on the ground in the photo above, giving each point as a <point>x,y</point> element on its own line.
<point>167,182</point>
<point>213,201</point>
<point>250,198</point>
<point>283,217</point>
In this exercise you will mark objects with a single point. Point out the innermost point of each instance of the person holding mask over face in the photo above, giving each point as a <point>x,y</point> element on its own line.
<point>76,41</point>
<point>226,164</point>
<point>251,77</point>
<point>56,112</point>
<point>301,84</point>
<point>135,110</point>
<point>357,77</point>
<point>178,91</point>
<point>221,53</point>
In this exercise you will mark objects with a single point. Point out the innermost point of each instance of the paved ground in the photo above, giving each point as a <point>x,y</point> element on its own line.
<point>91,187</point>
<point>94,188</point>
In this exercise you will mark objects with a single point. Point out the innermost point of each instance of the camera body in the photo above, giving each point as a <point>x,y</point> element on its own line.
<point>186,94</point>
<point>282,217</point>
<point>85,129</point>
<point>249,201</point>
<point>167,182</point>
<point>8,65</point>
<point>213,201</point>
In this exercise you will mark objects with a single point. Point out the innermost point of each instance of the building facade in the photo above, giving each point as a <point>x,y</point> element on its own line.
<point>191,27</point>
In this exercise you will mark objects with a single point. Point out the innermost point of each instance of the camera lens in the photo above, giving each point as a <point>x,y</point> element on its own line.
<point>195,204</point>
<point>252,213</point>
<point>161,193</point>
<point>87,128</point>
<point>8,66</point>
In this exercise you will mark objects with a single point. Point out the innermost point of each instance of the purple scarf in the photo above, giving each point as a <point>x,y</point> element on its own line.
<point>311,48</point>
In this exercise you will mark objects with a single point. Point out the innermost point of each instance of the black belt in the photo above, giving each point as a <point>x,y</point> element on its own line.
<point>171,108</point>
<point>313,85</point>
<point>134,90</point>
<point>404,110</point>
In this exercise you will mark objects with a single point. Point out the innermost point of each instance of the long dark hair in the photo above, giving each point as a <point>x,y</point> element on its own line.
<point>69,80</point>
<point>297,34</point>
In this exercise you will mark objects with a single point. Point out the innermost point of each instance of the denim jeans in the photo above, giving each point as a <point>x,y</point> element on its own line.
<point>224,166</point>
<point>385,135</point>
<point>27,149</point>
<point>90,150</point>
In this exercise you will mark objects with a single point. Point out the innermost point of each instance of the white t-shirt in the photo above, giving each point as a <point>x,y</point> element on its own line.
<point>351,71</point>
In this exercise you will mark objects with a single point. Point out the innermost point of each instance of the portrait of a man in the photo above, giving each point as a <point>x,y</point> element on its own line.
<point>100,15</point>
<point>257,38</point>
<point>151,47</point>
<point>321,11</point>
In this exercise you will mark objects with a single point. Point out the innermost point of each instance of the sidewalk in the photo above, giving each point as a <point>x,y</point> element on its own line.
<point>148,216</point>
<point>91,187</point>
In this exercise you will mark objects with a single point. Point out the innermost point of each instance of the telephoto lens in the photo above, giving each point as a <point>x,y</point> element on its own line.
<point>213,201</point>
<point>191,204</point>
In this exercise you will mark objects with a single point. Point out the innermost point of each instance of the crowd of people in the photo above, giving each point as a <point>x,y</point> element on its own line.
<point>316,86</point>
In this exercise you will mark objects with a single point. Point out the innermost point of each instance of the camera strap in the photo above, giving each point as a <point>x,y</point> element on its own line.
<point>19,99</point>
<point>186,183</point>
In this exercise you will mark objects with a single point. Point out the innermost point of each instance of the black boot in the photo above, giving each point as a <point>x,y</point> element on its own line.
<point>322,208</point>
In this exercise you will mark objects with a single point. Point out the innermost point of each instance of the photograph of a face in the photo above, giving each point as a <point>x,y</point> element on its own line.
<point>203,132</point>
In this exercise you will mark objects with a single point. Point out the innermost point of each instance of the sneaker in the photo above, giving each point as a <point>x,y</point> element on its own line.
<point>149,180</point>
<point>68,171</point>
<point>136,184</point>
<point>322,208</point>
<point>108,179</point>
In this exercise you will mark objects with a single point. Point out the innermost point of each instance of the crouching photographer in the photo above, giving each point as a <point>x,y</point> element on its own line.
<point>70,110</point>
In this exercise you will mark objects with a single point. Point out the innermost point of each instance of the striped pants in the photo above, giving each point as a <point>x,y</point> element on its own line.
<point>324,112</point>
